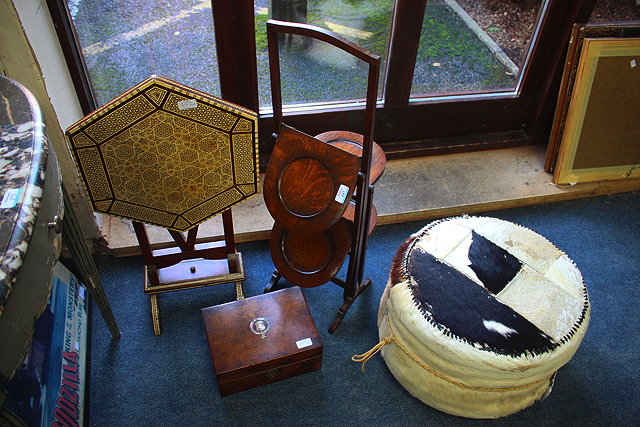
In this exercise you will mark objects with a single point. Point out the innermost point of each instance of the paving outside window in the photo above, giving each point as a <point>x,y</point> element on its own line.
<point>465,45</point>
<point>124,42</point>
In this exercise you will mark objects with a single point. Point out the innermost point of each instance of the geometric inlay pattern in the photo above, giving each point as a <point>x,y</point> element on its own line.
<point>163,153</point>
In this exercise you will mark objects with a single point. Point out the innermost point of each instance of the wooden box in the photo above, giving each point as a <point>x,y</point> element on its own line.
<point>245,358</point>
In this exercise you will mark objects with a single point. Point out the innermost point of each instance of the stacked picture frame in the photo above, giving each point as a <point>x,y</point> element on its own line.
<point>594,135</point>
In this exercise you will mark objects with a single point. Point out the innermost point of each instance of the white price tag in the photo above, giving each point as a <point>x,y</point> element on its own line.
<point>304,343</point>
<point>187,104</point>
<point>10,198</point>
<point>343,191</point>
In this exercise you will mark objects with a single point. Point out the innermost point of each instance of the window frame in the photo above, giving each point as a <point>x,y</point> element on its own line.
<point>405,127</point>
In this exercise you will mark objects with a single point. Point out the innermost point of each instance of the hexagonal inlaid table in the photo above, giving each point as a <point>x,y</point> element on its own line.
<point>168,155</point>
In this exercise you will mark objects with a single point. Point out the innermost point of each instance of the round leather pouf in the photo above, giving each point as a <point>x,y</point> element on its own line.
<point>479,314</point>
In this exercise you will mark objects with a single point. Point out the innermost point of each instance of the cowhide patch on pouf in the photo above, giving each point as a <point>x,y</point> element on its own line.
<point>479,314</point>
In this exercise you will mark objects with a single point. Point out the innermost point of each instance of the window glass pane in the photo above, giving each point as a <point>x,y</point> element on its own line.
<point>126,41</point>
<point>313,71</point>
<point>316,72</point>
<point>473,45</point>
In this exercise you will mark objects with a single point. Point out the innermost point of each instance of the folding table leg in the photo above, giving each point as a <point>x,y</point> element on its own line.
<point>155,314</point>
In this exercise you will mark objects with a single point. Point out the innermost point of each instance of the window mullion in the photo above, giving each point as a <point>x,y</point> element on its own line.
<point>236,49</point>
<point>403,51</point>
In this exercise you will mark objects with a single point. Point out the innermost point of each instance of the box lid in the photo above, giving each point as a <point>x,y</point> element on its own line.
<point>237,350</point>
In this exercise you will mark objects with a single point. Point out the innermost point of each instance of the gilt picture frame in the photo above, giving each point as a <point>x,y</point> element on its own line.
<point>601,138</point>
<point>579,32</point>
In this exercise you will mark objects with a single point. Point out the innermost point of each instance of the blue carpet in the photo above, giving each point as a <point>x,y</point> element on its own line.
<point>168,380</point>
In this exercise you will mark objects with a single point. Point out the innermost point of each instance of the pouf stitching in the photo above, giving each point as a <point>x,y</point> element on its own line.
<point>407,249</point>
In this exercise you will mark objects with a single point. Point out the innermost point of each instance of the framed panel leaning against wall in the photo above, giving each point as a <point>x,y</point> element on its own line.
<point>601,139</point>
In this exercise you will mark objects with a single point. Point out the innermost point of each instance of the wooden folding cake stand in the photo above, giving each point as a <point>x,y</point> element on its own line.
<point>319,189</point>
<point>168,155</point>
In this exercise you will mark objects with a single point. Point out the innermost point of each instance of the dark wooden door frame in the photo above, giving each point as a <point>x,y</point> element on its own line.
<point>73,55</point>
<point>403,128</point>
<point>464,123</point>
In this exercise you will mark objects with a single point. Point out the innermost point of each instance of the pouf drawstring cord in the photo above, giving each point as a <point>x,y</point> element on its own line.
<point>364,358</point>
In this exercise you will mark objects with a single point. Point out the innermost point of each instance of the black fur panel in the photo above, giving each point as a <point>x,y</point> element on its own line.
<point>461,307</point>
<point>494,266</point>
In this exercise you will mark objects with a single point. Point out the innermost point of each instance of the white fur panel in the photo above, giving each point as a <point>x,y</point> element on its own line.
<point>442,242</point>
<point>564,273</point>
<point>543,303</point>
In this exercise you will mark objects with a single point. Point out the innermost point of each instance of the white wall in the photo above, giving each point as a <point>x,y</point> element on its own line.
<point>38,26</point>
<point>30,54</point>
